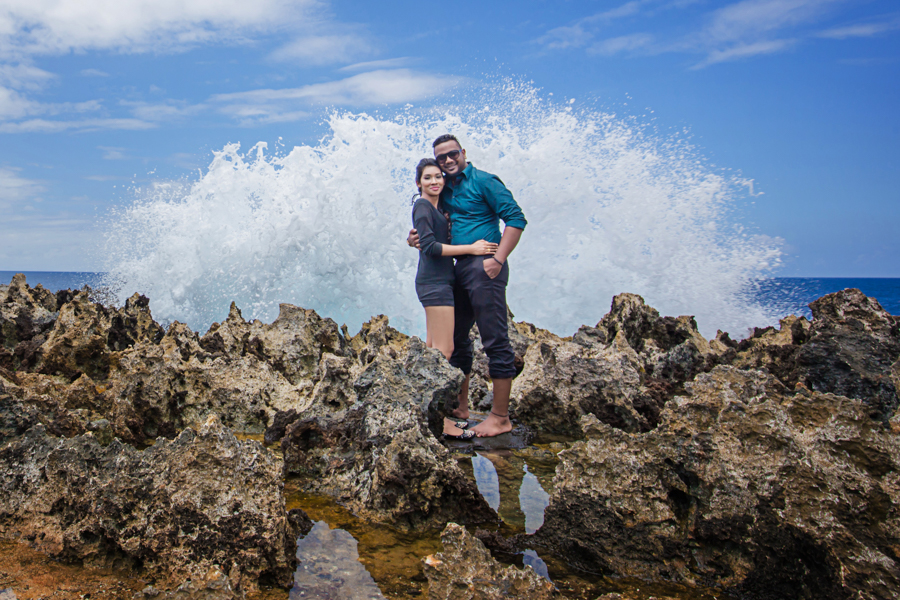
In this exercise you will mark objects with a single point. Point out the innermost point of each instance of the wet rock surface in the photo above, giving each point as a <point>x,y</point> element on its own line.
<point>743,486</point>
<point>764,466</point>
<point>175,509</point>
<point>379,457</point>
<point>622,371</point>
<point>465,570</point>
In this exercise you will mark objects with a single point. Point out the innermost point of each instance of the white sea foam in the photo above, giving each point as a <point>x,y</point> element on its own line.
<point>611,207</point>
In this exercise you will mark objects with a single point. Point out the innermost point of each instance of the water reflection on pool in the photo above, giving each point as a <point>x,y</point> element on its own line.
<point>329,567</point>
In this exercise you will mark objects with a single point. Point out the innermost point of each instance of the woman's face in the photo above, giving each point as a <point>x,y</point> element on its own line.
<point>432,181</point>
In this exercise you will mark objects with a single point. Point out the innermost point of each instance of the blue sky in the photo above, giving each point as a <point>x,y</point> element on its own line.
<point>799,95</point>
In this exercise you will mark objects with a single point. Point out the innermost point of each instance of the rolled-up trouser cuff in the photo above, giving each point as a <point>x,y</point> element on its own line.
<point>480,299</point>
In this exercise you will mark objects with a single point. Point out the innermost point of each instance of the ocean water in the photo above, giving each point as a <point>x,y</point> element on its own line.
<point>780,296</point>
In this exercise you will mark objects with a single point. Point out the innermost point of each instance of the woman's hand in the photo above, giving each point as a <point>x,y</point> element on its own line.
<point>483,247</point>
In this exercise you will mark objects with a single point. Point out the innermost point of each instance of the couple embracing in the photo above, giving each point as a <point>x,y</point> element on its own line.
<point>474,289</point>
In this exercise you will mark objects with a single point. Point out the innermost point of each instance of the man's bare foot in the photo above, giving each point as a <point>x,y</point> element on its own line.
<point>492,426</point>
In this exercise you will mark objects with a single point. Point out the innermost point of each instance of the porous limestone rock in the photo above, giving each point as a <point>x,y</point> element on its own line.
<point>853,350</point>
<point>622,371</point>
<point>86,335</point>
<point>743,486</point>
<point>379,457</point>
<point>26,314</point>
<point>176,509</point>
<point>465,570</point>
<point>563,381</point>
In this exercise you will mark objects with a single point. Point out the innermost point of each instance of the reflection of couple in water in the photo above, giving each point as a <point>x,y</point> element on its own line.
<point>474,289</point>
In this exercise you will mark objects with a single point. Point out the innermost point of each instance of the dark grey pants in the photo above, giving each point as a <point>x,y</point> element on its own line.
<point>479,299</point>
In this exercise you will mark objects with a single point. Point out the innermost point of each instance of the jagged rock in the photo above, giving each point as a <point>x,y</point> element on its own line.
<point>26,314</point>
<point>622,371</point>
<point>16,416</point>
<point>175,509</point>
<point>378,457</point>
<point>563,381</point>
<point>671,348</point>
<point>376,337</point>
<point>465,570</point>
<point>158,389</point>
<point>293,344</point>
<point>853,350</point>
<point>743,487</point>
<point>86,336</point>
<point>133,324</point>
<point>773,349</point>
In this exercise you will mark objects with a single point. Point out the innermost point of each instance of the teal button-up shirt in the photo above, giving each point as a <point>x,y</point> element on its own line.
<point>476,202</point>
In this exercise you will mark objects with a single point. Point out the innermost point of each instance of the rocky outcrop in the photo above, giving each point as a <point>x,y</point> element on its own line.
<point>743,486</point>
<point>175,509</point>
<point>622,371</point>
<point>465,570</point>
<point>26,314</point>
<point>853,350</point>
<point>379,457</point>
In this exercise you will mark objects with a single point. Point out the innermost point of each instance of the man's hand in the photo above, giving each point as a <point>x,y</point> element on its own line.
<point>492,267</point>
<point>413,239</point>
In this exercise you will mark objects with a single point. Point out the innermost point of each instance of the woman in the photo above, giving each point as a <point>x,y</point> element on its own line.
<point>434,278</point>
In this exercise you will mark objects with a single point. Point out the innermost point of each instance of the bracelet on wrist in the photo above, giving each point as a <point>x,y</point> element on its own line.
<point>497,261</point>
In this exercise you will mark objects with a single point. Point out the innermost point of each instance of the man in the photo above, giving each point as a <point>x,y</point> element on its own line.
<point>476,201</point>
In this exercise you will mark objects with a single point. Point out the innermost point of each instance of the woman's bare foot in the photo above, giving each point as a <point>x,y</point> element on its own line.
<point>459,414</point>
<point>454,432</point>
<point>493,425</point>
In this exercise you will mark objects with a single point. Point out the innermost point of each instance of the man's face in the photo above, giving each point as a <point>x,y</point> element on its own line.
<point>451,157</point>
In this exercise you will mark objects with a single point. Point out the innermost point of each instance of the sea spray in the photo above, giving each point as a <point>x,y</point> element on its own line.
<point>611,207</point>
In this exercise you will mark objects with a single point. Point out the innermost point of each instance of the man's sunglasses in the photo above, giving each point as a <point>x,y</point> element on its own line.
<point>452,155</point>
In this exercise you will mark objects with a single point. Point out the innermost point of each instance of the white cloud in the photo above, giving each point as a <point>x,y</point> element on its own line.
<point>164,111</point>
<point>625,43</point>
<point>390,63</point>
<point>29,27</point>
<point>47,126</point>
<point>733,31</point>
<point>94,73</point>
<point>861,30</point>
<point>744,51</point>
<point>14,188</point>
<point>14,105</point>
<point>24,77</point>
<point>366,89</point>
<point>317,50</point>
<point>112,153</point>
<point>749,19</point>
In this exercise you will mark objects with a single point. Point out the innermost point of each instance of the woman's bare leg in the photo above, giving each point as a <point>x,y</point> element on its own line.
<point>462,401</point>
<point>439,325</point>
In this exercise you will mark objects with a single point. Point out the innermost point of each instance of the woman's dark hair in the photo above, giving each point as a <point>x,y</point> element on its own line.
<point>420,168</point>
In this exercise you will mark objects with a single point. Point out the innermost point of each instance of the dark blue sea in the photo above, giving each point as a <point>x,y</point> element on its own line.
<point>790,295</point>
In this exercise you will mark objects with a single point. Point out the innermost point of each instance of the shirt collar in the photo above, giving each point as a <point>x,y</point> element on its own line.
<point>466,173</point>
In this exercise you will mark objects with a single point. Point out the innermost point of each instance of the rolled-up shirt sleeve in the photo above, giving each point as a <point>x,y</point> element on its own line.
<point>502,202</point>
<point>423,220</point>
